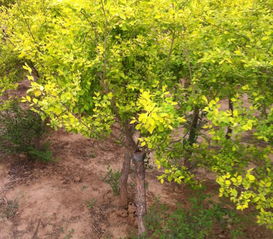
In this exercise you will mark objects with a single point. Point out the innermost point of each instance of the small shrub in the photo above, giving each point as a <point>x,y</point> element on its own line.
<point>91,203</point>
<point>196,222</point>
<point>112,178</point>
<point>42,153</point>
<point>21,131</point>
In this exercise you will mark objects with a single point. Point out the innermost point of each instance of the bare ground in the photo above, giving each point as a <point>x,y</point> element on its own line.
<point>68,198</point>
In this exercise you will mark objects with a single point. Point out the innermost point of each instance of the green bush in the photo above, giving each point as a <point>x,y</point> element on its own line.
<point>195,222</point>
<point>21,131</point>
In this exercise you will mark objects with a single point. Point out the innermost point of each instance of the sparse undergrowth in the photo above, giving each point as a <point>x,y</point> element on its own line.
<point>91,203</point>
<point>8,208</point>
<point>203,219</point>
<point>112,178</point>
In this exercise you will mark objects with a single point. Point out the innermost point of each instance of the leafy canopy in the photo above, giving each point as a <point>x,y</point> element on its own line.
<point>166,67</point>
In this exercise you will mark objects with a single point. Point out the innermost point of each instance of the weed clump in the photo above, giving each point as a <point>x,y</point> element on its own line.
<point>112,178</point>
<point>8,208</point>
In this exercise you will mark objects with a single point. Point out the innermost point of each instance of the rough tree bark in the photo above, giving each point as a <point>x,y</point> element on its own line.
<point>138,159</point>
<point>131,147</point>
<point>192,136</point>
<point>124,179</point>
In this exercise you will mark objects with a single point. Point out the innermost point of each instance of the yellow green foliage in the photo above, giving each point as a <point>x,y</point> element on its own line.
<point>164,67</point>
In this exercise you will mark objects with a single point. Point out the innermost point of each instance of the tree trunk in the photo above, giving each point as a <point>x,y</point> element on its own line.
<point>141,192</point>
<point>138,159</point>
<point>193,129</point>
<point>192,137</point>
<point>124,180</point>
<point>131,147</point>
<point>264,110</point>
<point>229,130</point>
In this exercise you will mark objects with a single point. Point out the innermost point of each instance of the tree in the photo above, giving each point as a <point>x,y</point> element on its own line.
<point>99,63</point>
<point>161,68</point>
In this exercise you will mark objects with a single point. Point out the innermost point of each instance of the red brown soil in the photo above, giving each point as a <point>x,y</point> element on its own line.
<point>69,198</point>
